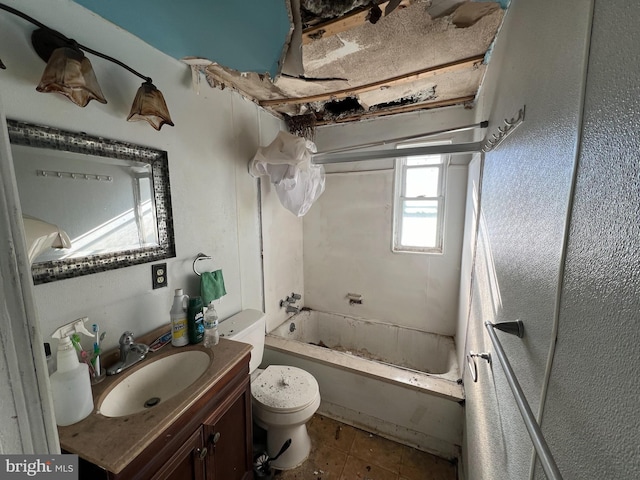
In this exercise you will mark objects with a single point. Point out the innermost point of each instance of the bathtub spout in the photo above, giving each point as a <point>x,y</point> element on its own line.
<point>292,309</point>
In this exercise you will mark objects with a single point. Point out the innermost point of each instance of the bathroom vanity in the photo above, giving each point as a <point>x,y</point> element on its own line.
<point>203,432</point>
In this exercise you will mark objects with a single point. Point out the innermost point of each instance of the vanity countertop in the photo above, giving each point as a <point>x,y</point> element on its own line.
<point>112,443</point>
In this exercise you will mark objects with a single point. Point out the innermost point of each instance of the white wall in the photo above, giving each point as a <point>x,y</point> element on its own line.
<point>347,249</point>
<point>214,199</point>
<point>472,208</point>
<point>347,234</point>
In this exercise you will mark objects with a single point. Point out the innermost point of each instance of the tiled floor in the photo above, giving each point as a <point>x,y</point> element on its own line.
<point>341,452</point>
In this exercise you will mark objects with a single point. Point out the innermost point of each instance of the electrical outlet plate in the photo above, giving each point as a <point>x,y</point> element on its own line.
<point>159,275</point>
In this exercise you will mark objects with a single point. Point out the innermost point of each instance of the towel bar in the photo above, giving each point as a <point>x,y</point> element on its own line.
<point>200,256</point>
<point>542,449</point>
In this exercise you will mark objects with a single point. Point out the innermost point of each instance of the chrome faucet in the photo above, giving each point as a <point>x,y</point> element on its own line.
<point>130,353</point>
<point>287,303</point>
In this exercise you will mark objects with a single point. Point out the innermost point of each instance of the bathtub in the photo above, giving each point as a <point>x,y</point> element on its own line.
<point>398,382</point>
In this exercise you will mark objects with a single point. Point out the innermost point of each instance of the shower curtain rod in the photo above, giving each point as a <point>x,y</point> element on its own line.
<point>451,149</point>
<point>483,124</point>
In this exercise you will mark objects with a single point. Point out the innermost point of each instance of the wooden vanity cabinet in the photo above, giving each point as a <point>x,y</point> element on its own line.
<point>186,463</point>
<point>212,440</point>
<point>228,439</point>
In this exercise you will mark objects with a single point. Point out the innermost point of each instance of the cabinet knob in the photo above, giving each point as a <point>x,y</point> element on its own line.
<point>202,452</point>
<point>214,437</point>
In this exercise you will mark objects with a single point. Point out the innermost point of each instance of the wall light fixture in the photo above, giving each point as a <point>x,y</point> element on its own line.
<point>69,73</point>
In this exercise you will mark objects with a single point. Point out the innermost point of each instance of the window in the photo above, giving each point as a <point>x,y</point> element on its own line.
<point>418,210</point>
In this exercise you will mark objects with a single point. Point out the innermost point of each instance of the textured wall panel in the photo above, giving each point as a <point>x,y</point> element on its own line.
<point>538,62</point>
<point>592,416</point>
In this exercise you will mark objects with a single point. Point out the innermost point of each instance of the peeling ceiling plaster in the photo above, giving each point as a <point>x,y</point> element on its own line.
<point>324,61</point>
<point>372,69</point>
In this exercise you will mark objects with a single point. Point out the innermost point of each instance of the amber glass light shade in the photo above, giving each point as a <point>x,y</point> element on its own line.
<point>149,105</point>
<point>69,72</point>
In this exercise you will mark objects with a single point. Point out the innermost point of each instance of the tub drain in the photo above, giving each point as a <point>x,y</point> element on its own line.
<point>152,402</point>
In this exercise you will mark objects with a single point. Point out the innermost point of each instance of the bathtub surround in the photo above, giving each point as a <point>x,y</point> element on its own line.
<point>342,254</point>
<point>363,367</point>
<point>282,255</point>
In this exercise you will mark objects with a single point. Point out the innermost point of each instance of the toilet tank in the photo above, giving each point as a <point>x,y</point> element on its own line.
<point>247,326</point>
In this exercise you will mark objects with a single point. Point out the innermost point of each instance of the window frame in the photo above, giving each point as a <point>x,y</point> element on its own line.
<point>400,178</point>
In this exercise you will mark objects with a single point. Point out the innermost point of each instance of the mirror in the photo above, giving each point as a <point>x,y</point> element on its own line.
<point>111,198</point>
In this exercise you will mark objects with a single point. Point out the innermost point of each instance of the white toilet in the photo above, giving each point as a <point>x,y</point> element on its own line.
<point>284,398</point>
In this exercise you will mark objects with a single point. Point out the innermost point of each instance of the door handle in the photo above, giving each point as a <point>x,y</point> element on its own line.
<point>202,452</point>
<point>213,438</point>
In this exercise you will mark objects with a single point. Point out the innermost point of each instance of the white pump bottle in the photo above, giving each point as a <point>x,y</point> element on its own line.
<point>70,383</point>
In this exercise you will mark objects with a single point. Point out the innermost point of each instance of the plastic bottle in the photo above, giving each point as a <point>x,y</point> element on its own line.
<point>178,314</point>
<point>51,361</point>
<point>195,327</point>
<point>70,383</point>
<point>211,335</point>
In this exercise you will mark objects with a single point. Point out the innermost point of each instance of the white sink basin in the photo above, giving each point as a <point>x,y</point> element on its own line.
<point>156,382</point>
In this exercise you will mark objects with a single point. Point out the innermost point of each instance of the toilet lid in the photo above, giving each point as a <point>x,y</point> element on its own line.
<point>284,389</point>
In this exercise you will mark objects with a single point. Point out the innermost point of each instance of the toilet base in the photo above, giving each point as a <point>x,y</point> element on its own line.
<point>296,454</point>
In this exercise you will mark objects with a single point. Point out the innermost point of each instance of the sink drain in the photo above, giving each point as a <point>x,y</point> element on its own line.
<point>152,402</point>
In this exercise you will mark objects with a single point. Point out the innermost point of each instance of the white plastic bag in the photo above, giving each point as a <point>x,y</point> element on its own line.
<point>287,162</point>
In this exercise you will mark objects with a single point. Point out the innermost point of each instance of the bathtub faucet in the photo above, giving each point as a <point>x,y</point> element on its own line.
<point>289,301</point>
<point>292,309</point>
<point>293,298</point>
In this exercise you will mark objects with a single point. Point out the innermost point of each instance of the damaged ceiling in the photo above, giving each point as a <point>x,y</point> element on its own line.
<point>317,62</point>
<point>354,59</point>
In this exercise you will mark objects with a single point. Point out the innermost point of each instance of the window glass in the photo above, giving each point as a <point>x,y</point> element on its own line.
<point>422,182</point>
<point>419,199</point>
<point>419,223</point>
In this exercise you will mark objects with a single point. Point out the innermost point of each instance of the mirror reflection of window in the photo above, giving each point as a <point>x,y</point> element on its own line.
<point>104,204</point>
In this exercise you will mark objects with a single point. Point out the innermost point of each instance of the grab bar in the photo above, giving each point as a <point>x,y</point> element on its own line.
<point>542,449</point>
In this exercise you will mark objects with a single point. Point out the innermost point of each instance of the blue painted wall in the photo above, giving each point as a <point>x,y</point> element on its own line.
<point>246,36</point>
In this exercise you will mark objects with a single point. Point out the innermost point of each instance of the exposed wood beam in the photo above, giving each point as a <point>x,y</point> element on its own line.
<point>400,109</point>
<point>341,24</point>
<point>390,82</point>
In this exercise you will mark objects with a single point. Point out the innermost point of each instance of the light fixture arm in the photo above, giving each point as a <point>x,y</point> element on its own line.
<point>69,41</point>
<point>113,60</point>
<point>26,17</point>
<point>69,72</point>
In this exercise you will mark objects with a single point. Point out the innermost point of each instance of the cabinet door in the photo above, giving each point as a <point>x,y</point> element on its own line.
<point>188,463</point>
<point>229,442</point>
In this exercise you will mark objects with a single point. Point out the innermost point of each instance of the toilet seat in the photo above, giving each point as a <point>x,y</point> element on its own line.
<point>284,389</point>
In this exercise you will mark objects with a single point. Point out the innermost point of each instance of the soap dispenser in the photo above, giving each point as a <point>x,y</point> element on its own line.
<point>70,383</point>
